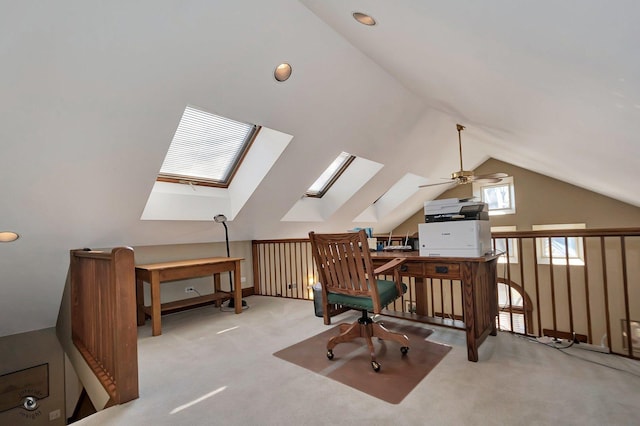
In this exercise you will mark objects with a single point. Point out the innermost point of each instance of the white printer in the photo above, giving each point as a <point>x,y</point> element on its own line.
<point>455,228</point>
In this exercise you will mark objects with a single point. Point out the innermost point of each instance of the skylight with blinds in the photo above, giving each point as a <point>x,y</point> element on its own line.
<point>330,175</point>
<point>206,149</point>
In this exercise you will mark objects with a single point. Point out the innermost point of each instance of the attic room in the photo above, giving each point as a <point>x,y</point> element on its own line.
<point>93,97</point>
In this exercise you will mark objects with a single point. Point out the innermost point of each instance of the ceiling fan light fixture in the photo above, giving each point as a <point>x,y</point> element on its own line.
<point>462,174</point>
<point>364,19</point>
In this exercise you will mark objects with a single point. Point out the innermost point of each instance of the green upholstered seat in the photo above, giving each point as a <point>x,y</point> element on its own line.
<point>386,289</point>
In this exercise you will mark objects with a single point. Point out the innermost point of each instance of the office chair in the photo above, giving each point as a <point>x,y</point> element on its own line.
<point>348,278</point>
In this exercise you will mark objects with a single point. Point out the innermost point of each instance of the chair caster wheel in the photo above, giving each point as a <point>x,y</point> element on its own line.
<point>375,366</point>
<point>404,350</point>
<point>330,354</point>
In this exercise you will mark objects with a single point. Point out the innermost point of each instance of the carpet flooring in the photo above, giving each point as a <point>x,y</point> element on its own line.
<point>516,382</point>
<point>351,365</point>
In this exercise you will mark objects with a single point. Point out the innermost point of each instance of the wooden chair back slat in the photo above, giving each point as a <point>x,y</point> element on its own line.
<point>344,265</point>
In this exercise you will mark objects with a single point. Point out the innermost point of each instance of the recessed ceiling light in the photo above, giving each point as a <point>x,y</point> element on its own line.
<point>282,72</point>
<point>8,236</point>
<point>364,19</point>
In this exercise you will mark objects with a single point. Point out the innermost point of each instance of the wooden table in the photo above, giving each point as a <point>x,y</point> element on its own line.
<point>155,273</point>
<point>479,291</point>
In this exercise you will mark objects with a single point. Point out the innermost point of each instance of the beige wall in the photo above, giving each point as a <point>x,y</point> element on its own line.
<point>25,350</point>
<point>543,200</point>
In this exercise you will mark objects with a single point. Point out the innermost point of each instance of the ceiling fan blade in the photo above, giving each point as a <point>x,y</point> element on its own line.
<point>486,179</point>
<point>436,184</point>
<point>493,176</point>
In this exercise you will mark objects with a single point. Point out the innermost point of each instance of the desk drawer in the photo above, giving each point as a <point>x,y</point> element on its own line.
<point>415,269</point>
<point>443,270</point>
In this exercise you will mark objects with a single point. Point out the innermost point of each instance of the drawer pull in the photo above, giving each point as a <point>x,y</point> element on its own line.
<point>442,269</point>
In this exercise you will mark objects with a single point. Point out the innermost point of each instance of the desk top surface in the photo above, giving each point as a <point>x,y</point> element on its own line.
<point>188,262</point>
<point>415,255</point>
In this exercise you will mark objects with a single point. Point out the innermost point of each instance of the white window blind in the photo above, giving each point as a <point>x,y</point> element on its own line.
<point>206,147</point>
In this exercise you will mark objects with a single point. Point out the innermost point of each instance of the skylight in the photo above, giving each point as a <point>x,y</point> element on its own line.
<point>206,149</point>
<point>330,175</point>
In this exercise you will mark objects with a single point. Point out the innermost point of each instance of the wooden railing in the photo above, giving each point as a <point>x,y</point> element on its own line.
<point>589,292</point>
<point>577,284</point>
<point>103,318</point>
<point>284,268</point>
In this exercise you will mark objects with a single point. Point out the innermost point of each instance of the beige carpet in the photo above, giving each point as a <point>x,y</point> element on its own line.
<point>352,364</point>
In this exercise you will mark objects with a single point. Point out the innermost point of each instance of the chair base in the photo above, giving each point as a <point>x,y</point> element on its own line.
<point>366,328</point>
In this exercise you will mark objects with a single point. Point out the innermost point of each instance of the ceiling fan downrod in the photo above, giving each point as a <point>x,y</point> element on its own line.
<point>460,128</point>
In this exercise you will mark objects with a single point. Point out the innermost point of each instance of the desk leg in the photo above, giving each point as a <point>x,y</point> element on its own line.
<point>237,296</point>
<point>469,315</point>
<point>493,300</point>
<point>140,302</point>
<point>421,296</point>
<point>156,328</point>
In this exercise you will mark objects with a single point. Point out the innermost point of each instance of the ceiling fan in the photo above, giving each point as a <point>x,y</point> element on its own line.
<point>463,176</point>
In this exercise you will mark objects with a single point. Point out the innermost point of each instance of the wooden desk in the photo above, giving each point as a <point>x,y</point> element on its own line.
<point>479,290</point>
<point>155,273</point>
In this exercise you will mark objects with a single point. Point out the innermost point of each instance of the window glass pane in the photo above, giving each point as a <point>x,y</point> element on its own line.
<point>505,319</point>
<point>503,296</point>
<point>322,184</point>
<point>500,197</point>
<point>497,197</point>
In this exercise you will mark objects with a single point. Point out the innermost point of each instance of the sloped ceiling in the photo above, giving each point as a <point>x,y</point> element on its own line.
<point>91,94</point>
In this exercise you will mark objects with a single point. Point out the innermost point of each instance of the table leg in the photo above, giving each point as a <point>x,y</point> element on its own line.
<point>237,287</point>
<point>217,288</point>
<point>140,302</point>
<point>156,328</point>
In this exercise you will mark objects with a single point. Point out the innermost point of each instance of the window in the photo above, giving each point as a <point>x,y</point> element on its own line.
<point>559,249</point>
<point>508,246</point>
<point>515,311</point>
<point>330,175</point>
<point>206,149</point>
<point>500,197</point>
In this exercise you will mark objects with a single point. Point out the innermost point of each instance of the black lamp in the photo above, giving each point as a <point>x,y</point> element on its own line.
<point>220,218</point>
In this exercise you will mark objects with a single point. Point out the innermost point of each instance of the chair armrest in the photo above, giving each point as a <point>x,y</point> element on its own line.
<point>390,265</point>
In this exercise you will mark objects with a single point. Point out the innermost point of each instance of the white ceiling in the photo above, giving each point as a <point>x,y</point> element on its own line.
<point>91,94</point>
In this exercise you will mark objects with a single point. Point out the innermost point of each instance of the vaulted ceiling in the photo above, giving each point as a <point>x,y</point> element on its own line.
<point>91,94</point>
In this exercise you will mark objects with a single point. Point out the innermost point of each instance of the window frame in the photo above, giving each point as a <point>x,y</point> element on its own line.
<point>333,178</point>
<point>479,188</point>
<point>544,245</point>
<point>511,244</point>
<point>524,311</point>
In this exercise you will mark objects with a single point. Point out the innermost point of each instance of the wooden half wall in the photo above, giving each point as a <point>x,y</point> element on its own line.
<point>103,318</point>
